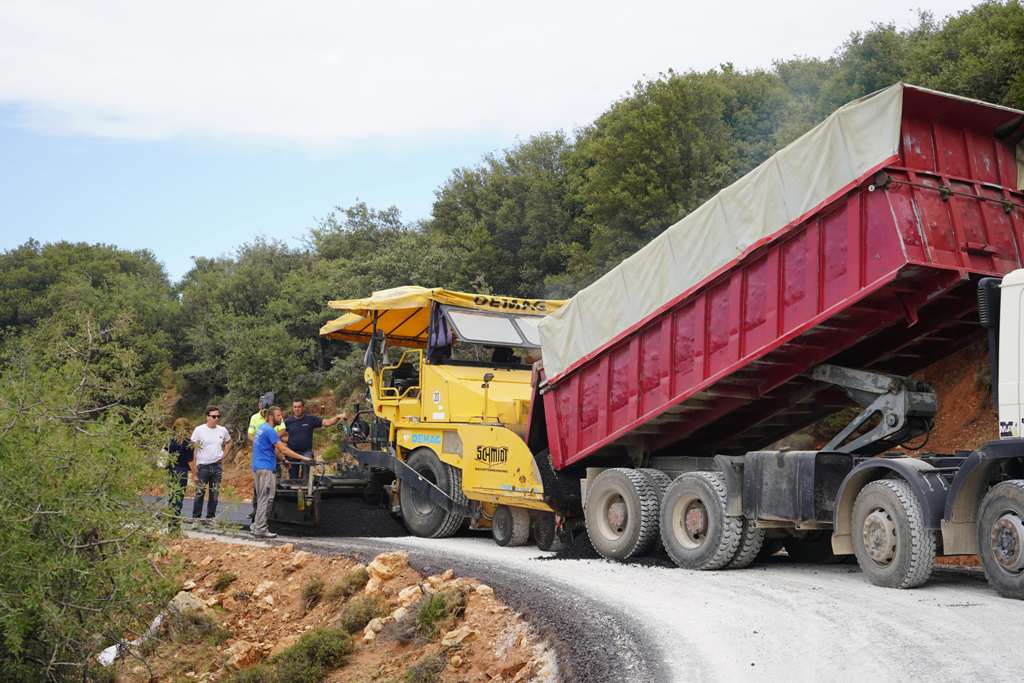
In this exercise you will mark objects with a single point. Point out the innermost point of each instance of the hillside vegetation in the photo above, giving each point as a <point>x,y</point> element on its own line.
<point>99,345</point>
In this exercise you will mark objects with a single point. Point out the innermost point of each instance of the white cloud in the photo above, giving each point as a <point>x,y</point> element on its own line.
<point>326,73</point>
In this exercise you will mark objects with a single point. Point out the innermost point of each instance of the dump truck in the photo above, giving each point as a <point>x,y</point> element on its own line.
<point>881,241</point>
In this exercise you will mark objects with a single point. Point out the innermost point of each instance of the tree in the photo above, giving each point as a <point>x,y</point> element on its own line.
<point>76,547</point>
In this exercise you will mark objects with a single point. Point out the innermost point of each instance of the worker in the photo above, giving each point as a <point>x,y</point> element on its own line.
<point>300,428</point>
<point>259,417</point>
<point>211,442</point>
<point>267,450</point>
<point>180,462</point>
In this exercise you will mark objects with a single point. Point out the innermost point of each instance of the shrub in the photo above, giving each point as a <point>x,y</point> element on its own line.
<point>223,580</point>
<point>353,580</point>
<point>306,660</point>
<point>261,673</point>
<point>312,591</point>
<point>360,610</point>
<point>434,610</point>
<point>193,626</point>
<point>426,669</point>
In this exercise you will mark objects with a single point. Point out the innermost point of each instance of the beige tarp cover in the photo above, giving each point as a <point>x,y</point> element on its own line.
<point>844,148</point>
<point>403,313</point>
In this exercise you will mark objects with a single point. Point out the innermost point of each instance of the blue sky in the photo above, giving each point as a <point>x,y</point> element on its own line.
<point>189,128</point>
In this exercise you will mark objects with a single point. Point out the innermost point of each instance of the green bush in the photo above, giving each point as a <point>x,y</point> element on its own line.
<point>426,669</point>
<point>437,609</point>
<point>193,626</point>
<point>223,580</point>
<point>261,673</point>
<point>78,548</point>
<point>352,581</point>
<point>306,661</point>
<point>312,591</point>
<point>360,610</point>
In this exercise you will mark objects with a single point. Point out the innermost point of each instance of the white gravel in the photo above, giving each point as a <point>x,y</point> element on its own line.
<point>786,621</point>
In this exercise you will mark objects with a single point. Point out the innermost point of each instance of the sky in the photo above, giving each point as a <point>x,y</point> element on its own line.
<point>189,128</point>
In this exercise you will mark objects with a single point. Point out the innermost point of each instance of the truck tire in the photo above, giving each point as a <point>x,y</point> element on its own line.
<point>543,530</point>
<point>751,540</point>
<point>511,526</point>
<point>695,530</point>
<point>422,516</point>
<point>661,482</point>
<point>892,545</point>
<point>621,513</point>
<point>1001,537</point>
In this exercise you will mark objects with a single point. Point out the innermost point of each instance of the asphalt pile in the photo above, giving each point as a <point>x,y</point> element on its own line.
<point>351,516</point>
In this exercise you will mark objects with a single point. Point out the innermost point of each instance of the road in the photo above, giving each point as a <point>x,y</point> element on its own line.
<point>779,621</point>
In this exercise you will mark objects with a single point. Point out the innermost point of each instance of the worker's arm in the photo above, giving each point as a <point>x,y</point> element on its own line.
<point>283,453</point>
<point>333,420</point>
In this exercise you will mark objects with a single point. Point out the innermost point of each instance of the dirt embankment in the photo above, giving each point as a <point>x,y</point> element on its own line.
<point>254,607</point>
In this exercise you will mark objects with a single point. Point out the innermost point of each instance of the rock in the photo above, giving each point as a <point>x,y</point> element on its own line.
<point>375,625</point>
<point>457,636</point>
<point>215,600</point>
<point>456,661</point>
<point>298,560</point>
<point>188,585</point>
<point>484,589</point>
<point>409,595</point>
<point>242,653</point>
<point>262,588</point>
<point>369,636</point>
<point>186,602</point>
<point>388,565</point>
<point>206,560</point>
<point>525,673</point>
<point>373,586</point>
<point>399,614</point>
<point>287,547</point>
<point>269,599</point>
<point>447,575</point>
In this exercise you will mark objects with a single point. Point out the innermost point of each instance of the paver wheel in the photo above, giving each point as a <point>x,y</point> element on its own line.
<point>695,530</point>
<point>511,525</point>
<point>543,530</point>
<point>422,516</point>
<point>751,540</point>
<point>621,513</point>
<point>1001,537</point>
<point>892,545</point>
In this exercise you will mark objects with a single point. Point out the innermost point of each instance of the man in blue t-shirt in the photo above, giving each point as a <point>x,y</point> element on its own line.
<point>267,449</point>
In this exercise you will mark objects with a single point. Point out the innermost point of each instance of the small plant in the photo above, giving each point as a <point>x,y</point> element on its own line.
<point>312,591</point>
<point>304,662</point>
<point>223,580</point>
<point>436,609</point>
<point>261,673</point>
<point>351,582</point>
<point>360,610</point>
<point>193,626</point>
<point>426,669</point>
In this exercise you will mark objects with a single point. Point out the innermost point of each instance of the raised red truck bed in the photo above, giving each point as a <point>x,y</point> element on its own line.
<point>878,275</point>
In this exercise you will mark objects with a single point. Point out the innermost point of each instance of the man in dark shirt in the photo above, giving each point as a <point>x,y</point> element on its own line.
<point>300,428</point>
<point>180,462</point>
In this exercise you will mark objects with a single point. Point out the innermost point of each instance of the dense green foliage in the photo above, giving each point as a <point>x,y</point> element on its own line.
<point>97,341</point>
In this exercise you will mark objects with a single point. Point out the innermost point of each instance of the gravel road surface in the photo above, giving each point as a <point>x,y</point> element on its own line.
<point>781,620</point>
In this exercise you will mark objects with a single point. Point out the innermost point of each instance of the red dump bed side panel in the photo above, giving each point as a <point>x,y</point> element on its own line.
<point>879,270</point>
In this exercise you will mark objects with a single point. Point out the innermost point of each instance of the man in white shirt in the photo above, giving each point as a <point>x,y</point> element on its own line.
<point>210,442</point>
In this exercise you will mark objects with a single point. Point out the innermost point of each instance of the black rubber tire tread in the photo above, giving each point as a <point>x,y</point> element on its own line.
<point>640,495</point>
<point>917,544</point>
<point>520,526</point>
<point>1004,495</point>
<point>501,525</point>
<point>440,523</point>
<point>751,540</point>
<point>728,530</point>
<point>661,482</point>
<point>544,533</point>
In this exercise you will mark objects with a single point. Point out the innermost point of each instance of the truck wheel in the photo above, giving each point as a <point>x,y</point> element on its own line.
<point>892,545</point>
<point>751,540</point>
<point>813,548</point>
<point>660,481</point>
<point>511,526</point>
<point>421,515</point>
<point>543,525</point>
<point>621,513</point>
<point>1001,537</point>
<point>694,527</point>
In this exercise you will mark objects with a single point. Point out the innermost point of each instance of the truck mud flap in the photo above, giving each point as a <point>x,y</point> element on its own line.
<point>408,476</point>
